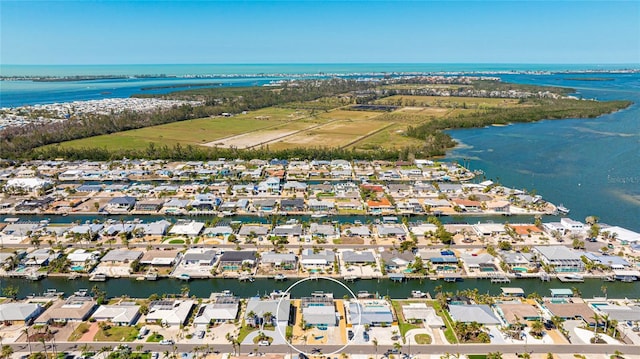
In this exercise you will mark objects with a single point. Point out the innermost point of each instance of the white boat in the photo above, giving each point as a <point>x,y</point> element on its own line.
<point>280,277</point>
<point>318,215</point>
<point>571,278</point>
<point>364,294</point>
<point>562,209</point>
<point>98,277</point>
<point>418,294</point>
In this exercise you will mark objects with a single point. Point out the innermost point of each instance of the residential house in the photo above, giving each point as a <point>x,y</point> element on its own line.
<point>327,231</point>
<point>223,309</point>
<point>123,314</point>
<point>73,309</point>
<point>391,231</point>
<point>319,310</point>
<point>289,231</point>
<point>350,257</point>
<point>479,313</point>
<point>317,259</point>
<point>19,313</point>
<point>276,311</point>
<point>187,228</point>
<point>199,257</point>
<point>561,258</point>
<point>170,311</point>
<point>370,312</point>
<point>396,261</point>
<point>292,205</point>
<point>121,204</point>
<point>283,261</point>
<point>161,258</point>
<point>237,260</point>
<point>420,312</point>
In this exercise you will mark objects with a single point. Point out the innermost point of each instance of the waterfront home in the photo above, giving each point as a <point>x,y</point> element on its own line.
<point>622,234</point>
<point>518,261</point>
<point>267,311</point>
<point>467,205</point>
<point>349,205</point>
<point>175,206</point>
<point>374,312</point>
<point>233,206</point>
<point>76,308</point>
<point>117,228</point>
<point>253,231</point>
<point>629,313</point>
<point>121,256</point>
<point>356,231</point>
<point>237,260</point>
<point>326,231</point>
<point>271,185</point>
<point>561,258</point>
<point>121,204</point>
<point>319,310</point>
<point>292,205</point>
<point>272,261</point>
<point>90,229</point>
<point>33,205</point>
<point>40,257</point>
<point>19,230</point>
<point>292,188</point>
<point>266,205</point>
<point>321,259</point>
<point>611,262</point>
<point>380,206</point>
<point>81,259</point>
<point>18,313</point>
<point>409,206</point>
<point>350,257</point>
<point>400,190</point>
<point>170,311</point>
<point>160,258</point>
<point>158,228</point>
<point>149,205</point>
<point>396,261</point>
<point>187,228</point>
<point>444,261</point>
<point>199,257</point>
<point>501,207</point>
<point>324,205</point>
<point>289,231</point>
<point>469,313</point>
<point>391,230</point>
<point>223,309</point>
<point>31,185</point>
<point>484,262</point>
<point>204,203</point>
<point>515,313</point>
<point>123,314</point>
<point>420,312</point>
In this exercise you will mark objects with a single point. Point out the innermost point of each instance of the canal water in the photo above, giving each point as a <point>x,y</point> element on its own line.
<point>203,288</point>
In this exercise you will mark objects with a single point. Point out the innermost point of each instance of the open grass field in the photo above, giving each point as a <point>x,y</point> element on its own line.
<point>348,115</point>
<point>445,102</point>
<point>194,132</point>
<point>332,134</point>
<point>389,138</point>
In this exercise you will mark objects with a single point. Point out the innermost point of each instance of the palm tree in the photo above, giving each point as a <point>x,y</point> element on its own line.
<point>6,352</point>
<point>26,331</point>
<point>44,346</point>
<point>375,345</point>
<point>605,317</point>
<point>495,355</point>
<point>537,328</point>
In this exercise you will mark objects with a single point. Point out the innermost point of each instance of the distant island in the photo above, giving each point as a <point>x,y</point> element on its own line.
<point>588,79</point>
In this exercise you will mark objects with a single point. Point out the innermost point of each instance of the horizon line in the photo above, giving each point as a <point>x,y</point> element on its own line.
<point>336,63</point>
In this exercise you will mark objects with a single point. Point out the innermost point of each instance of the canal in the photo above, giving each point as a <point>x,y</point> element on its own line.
<point>204,287</point>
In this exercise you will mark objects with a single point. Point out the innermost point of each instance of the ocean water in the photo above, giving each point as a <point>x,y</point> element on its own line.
<point>592,166</point>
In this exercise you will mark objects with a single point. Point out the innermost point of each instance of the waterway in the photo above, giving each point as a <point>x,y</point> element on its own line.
<point>592,166</point>
<point>204,287</point>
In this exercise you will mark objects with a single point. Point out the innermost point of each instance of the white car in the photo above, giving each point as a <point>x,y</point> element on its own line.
<point>264,343</point>
<point>166,342</point>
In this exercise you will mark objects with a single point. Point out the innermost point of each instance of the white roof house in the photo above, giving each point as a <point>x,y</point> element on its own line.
<point>479,313</point>
<point>624,235</point>
<point>420,311</point>
<point>222,310</point>
<point>118,314</point>
<point>19,312</point>
<point>27,184</point>
<point>170,312</point>
<point>187,228</point>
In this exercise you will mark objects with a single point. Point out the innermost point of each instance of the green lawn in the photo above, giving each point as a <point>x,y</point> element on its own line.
<point>117,334</point>
<point>402,324</point>
<point>244,331</point>
<point>154,338</point>
<point>79,331</point>
<point>423,338</point>
<point>449,334</point>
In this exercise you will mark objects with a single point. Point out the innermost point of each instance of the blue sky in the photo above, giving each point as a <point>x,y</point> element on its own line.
<point>164,32</point>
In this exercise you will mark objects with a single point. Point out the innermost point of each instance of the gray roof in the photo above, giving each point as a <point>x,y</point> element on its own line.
<point>264,202</point>
<point>121,255</point>
<point>194,256</point>
<point>479,313</point>
<point>322,229</point>
<point>557,253</point>
<point>390,256</point>
<point>257,229</point>
<point>238,256</point>
<point>315,315</point>
<point>370,314</point>
<point>259,307</point>
<point>19,311</point>
<point>390,230</point>
<point>358,257</point>
<point>324,254</point>
<point>272,257</point>
<point>287,230</point>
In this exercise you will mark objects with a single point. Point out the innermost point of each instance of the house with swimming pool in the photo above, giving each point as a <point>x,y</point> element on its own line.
<point>319,310</point>
<point>237,260</point>
<point>560,258</point>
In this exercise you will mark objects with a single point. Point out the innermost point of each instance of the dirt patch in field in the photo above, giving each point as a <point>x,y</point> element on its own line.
<point>247,140</point>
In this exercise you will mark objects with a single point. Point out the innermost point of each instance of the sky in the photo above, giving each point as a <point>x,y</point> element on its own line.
<point>184,32</point>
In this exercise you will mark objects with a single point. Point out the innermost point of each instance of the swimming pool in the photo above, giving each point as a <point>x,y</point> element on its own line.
<point>520,269</point>
<point>558,301</point>
<point>77,268</point>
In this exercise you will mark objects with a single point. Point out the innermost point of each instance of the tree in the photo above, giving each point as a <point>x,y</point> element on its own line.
<point>6,352</point>
<point>537,328</point>
<point>10,291</point>
<point>375,346</point>
<point>494,355</point>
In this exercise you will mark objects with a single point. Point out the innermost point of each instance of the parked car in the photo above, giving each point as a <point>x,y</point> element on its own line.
<point>350,334</point>
<point>264,343</point>
<point>166,342</point>
<point>200,334</point>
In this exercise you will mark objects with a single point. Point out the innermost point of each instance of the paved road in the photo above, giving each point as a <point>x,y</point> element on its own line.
<point>358,349</point>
